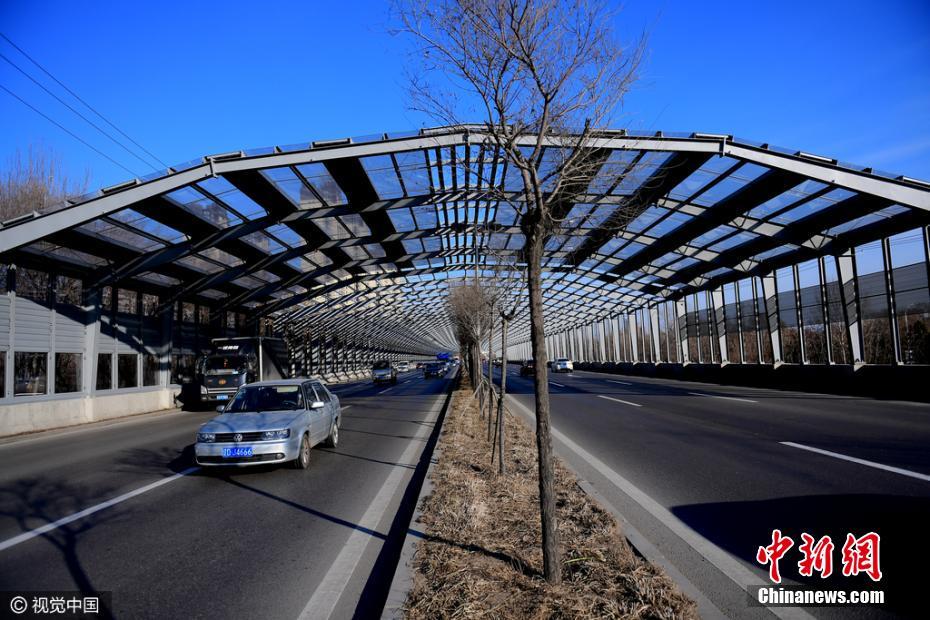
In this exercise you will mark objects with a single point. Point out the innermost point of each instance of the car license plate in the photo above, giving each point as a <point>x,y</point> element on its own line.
<point>237,452</point>
<point>222,397</point>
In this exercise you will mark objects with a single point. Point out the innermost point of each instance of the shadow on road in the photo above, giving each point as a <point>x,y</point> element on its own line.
<point>37,502</point>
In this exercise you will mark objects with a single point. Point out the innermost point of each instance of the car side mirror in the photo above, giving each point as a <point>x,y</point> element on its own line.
<point>319,404</point>
<point>221,409</point>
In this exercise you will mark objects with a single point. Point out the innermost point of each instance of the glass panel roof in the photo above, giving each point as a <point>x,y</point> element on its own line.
<point>381,172</point>
<point>291,186</point>
<point>611,244</point>
<point>322,181</point>
<point>203,207</point>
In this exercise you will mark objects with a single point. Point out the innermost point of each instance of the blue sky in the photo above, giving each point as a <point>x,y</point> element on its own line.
<point>846,79</point>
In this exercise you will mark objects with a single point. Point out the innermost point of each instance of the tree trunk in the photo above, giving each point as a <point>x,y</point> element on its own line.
<point>501,468</point>
<point>491,376</point>
<point>550,537</point>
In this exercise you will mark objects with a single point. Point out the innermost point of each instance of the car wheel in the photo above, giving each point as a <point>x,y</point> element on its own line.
<point>303,457</point>
<point>333,440</point>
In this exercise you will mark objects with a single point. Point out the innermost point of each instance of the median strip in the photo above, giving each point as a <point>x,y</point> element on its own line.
<point>480,555</point>
<point>619,400</point>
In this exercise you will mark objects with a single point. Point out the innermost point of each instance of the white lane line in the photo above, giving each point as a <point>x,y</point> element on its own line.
<point>744,400</point>
<point>344,407</point>
<point>558,384</point>
<point>724,562</point>
<point>328,592</point>
<point>385,391</point>
<point>852,459</point>
<point>48,527</point>
<point>620,382</point>
<point>618,400</point>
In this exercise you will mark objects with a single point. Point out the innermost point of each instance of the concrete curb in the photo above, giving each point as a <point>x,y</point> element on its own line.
<point>403,574</point>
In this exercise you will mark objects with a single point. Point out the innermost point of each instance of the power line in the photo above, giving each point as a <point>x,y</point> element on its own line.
<point>64,103</point>
<point>87,105</point>
<point>66,130</point>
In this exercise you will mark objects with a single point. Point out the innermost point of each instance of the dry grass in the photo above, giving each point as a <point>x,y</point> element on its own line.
<point>481,555</point>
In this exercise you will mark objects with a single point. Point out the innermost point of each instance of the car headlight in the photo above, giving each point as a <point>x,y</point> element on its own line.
<point>206,437</point>
<point>203,389</point>
<point>272,435</point>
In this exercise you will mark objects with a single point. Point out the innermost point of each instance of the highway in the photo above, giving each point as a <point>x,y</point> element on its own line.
<point>187,542</point>
<point>704,473</point>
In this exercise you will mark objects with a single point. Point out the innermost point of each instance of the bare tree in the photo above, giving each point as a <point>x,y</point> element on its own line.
<point>542,75</point>
<point>467,306</point>
<point>35,181</point>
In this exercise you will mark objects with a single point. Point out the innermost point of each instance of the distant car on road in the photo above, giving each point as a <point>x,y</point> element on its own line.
<point>563,364</point>
<point>383,372</point>
<point>270,422</point>
<point>434,369</point>
<point>527,368</point>
<point>403,366</point>
<point>498,361</point>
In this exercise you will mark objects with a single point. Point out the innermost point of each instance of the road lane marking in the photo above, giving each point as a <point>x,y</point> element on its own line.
<point>344,407</point>
<point>558,384</point>
<point>323,601</point>
<point>39,531</point>
<point>620,382</point>
<point>745,400</point>
<point>385,391</point>
<point>724,562</point>
<point>852,459</point>
<point>618,400</point>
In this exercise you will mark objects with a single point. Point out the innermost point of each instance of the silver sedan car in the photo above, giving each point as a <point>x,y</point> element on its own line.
<point>271,422</point>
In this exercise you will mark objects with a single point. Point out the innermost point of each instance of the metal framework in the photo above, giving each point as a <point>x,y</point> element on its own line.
<point>349,246</point>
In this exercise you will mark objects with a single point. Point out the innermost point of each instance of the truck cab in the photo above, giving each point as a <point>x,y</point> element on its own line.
<point>234,362</point>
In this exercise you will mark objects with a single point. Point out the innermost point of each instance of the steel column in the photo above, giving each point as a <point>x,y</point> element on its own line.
<point>770,299</point>
<point>849,294</point>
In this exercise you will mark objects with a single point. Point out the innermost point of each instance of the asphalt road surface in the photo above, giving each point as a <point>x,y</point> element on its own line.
<point>704,473</point>
<point>174,541</point>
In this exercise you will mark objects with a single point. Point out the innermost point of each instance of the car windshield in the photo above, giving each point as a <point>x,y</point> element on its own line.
<point>434,366</point>
<point>562,359</point>
<point>382,365</point>
<point>252,399</point>
<point>226,362</point>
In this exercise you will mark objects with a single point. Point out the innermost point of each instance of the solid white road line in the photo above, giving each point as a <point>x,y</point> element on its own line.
<point>558,384</point>
<point>344,407</point>
<point>385,391</point>
<point>852,459</point>
<point>324,599</point>
<point>745,400</point>
<point>620,382</point>
<point>12,542</point>
<point>724,562</point>
<point>618,400</point>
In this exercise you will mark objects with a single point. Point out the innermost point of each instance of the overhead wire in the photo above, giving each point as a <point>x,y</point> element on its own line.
<point>78,97</point>
<point>66,130</point>
<point>64,103</point>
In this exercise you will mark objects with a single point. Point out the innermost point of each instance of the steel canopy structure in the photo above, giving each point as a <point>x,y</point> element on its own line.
<point>356,241</point>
